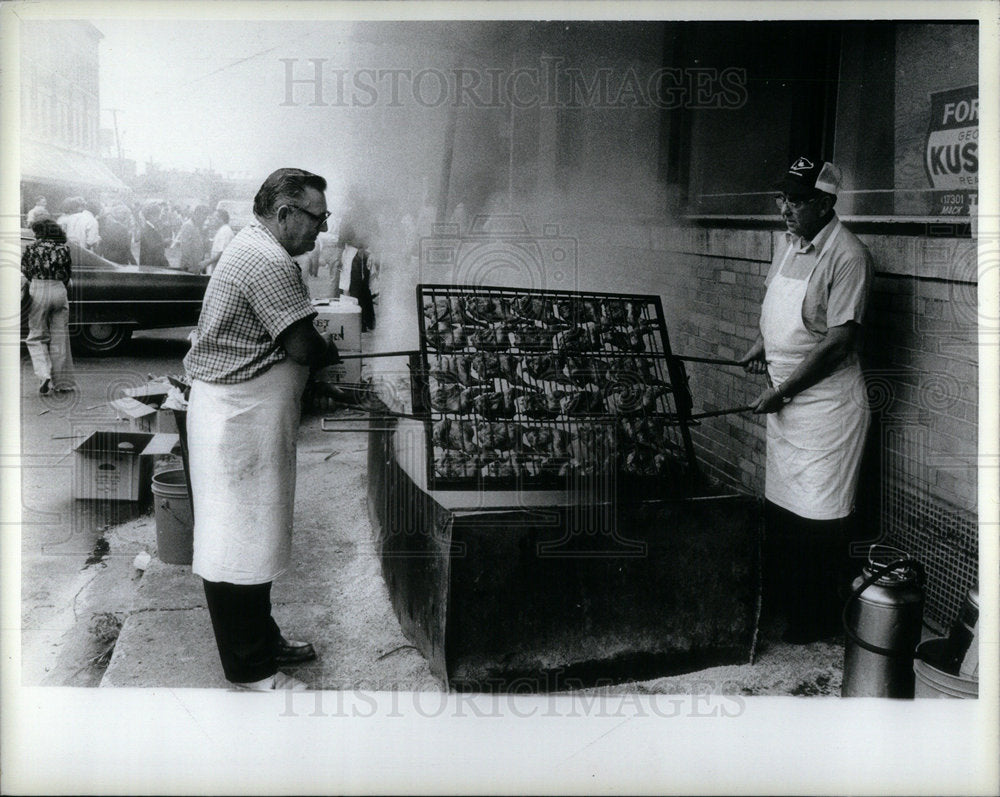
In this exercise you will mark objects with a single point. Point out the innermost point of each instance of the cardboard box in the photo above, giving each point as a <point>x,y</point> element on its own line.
<point>141,406</point>
<point>117,466</point>
<point>342,317</point>
<point>145,417</point>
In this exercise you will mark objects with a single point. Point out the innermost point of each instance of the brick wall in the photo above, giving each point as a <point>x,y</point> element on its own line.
<point>920,480</point>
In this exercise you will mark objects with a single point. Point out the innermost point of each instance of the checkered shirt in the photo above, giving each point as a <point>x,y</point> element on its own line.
<point>256,292</point>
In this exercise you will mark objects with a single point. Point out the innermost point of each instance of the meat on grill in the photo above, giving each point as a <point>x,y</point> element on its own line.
<point>488,365</point>
<point>495,435</point>
<point>446,337</point>
<point>581,402</point>
<point>455,464</point>
<point>545,367</point>
<point>613,313</point>
<point>592,443</point>
<point>485,310</point>
<point>453,368</point>
<point>455,434</point>
<point>491,338</point>
<point>534,405</point>
<point>624,399</point>
<point>562,311</point>
<point>583,337</point>
<point>579,357</point>
<point>533,338</point>
<point>632,370</point>
<point>435,309</point>
<point>585,370</point>
<point>447,309</point>
<point>492,404</point>
<point>537,438</point>
<point>651,432</point>
<point>530,308</point>
<point>454,398</point>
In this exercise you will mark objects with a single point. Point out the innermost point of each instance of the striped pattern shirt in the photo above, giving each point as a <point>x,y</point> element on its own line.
<point>256,292</point>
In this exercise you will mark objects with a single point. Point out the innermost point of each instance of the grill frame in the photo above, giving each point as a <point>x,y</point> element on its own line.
<point>669,419</point>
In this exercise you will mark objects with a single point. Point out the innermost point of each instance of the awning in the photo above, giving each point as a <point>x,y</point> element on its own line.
<point>45,163</point>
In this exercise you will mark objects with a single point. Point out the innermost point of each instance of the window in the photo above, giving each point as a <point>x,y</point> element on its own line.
<point>893,104</point>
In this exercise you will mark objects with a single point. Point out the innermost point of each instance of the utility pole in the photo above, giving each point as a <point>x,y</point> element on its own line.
<point>118,143</point>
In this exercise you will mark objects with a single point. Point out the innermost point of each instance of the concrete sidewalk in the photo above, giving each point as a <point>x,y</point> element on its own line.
<point>333,596</point>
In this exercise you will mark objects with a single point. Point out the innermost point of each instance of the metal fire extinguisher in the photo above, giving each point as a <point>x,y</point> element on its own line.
<point>882,621</point>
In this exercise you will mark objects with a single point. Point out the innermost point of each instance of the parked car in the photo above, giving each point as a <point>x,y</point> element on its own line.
<point>109,301</point>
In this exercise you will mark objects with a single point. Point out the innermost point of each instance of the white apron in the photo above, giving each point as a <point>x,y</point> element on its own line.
<point>242,444</point>
<point>814,443</point>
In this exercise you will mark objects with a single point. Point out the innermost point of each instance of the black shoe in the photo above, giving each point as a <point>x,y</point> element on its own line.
<point>43,388</point>
<point>291,652</point>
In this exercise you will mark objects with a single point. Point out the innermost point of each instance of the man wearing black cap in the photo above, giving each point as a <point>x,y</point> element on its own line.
<point>816,405</point>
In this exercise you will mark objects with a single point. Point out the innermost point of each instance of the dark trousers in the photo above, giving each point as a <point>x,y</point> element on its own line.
<point>360,289</point>
<point>805,564</point>
<point>245,632</point>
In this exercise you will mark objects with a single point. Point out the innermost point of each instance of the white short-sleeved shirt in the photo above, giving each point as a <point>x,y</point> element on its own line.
<point>841,281</point>
<point>223,236</point>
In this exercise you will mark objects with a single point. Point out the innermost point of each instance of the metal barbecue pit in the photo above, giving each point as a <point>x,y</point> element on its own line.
<point>539,514</point>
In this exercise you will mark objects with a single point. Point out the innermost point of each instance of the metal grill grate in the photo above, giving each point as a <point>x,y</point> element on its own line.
<point>527,388</point>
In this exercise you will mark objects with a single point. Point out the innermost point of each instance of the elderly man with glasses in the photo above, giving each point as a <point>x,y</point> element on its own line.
<point>816,404</point>
<point>252,352</point>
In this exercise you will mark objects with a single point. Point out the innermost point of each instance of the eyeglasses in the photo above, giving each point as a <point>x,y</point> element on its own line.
<point>319,218</point>
<point>795,204</point>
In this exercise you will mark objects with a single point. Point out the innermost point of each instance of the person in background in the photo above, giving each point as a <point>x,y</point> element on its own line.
<point>356,261</point>
<point>81,226</point>
<point>68,208</point>
<point>173,220</point>
<point>116,237</point>
<point>38,212</point>
<point>329,252</point>
<point>248,364</point>
<point>46,264</point>
<point>152,249</point>
<point>191,241</point>
<point>816,403</point>
<point>223,237</point>
<point>137,222</point>
<point>362,268</point>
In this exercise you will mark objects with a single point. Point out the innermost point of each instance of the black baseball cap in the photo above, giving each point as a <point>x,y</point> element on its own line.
<point>807,175</point>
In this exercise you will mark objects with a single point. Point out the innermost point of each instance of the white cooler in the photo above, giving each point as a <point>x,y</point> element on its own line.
<point>342,317</point>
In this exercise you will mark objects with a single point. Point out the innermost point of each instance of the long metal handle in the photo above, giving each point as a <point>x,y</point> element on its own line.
<point>715,413</point>
<point>709,360</point>
<point>366,419</point>
<point>378,354</point>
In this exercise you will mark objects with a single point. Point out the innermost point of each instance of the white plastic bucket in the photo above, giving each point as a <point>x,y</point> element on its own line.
<point>174,518</point>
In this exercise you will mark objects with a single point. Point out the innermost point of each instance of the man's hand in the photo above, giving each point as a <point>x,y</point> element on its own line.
<point>754,361</point>
<point>332,355</point>
<point>768,401</point>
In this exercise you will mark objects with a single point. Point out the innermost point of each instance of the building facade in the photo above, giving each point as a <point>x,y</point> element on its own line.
<point>60,112</point>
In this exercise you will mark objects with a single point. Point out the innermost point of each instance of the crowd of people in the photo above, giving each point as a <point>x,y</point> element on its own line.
<point>141,233</point>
